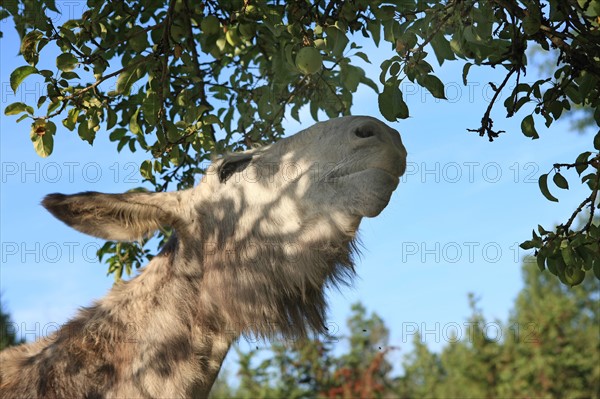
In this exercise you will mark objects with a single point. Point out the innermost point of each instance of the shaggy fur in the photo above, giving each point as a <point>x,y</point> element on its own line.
<point>256,244</point>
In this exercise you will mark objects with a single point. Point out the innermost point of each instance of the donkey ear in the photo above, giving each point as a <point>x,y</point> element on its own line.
<point>120,217</point>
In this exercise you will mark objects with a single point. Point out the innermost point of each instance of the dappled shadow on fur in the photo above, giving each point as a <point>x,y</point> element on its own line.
<point>255,247</point>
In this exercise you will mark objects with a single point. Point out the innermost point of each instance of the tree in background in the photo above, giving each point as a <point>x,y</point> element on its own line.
<point>548,348</point>
<point>363,371</point>
<point>422,374</point>
<point>7,332</point>
<point>182,80</point>
<point>471,365</point>
<point>552,345</point>
<point>311,368</point>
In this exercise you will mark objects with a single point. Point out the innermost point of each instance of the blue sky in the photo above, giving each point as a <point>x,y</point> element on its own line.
<point>452,227</point>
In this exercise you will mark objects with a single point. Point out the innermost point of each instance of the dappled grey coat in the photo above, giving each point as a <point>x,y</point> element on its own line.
<point>255,244</point>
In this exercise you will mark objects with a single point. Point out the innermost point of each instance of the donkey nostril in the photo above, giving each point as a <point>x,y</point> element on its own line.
<point>364,133</point>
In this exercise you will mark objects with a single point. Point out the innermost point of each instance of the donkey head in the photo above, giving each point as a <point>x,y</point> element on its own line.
<point>336,171</point>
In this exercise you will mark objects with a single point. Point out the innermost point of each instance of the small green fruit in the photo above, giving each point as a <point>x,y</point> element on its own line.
<point>309,60</point>
<point>210,25</point>
<point>574,276</point>
<point>221,44</point>
<point>320,44</point>
<point>233,38</point>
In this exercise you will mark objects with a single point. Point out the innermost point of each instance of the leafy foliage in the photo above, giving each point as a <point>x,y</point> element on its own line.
<point>181,80</point>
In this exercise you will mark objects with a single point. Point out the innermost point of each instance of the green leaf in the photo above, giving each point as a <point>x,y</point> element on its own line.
<point>17,108</point>
<point>210,119</point>
<point>590,179</point>
<point>560,267</point>
<point>18,75</point>
<point>175,156</point>
<point>566,252</point>
<point>580,162</point>
<point>465,72</point>
<point>41,101</point>
<point>362,56</point>
<point>173,134</point>
<point>126,79</point>
<point>111,118</point>
<point>50,128</point>
<point>22,117</point>
<point>68,34</point>
<point>117,134</point>
<point>46,73</point>
<point>441,48</point>
<point>150,108</point>
<point>71,120</point>
<point>574,93</point>
<point>527,244</point>
<point>528,127</point>
<point>41,135</point>
<point>368,82</point>
<point>146,169</point>
<point>69,75</point>
<point>66,62</point>
<point>391,103</point>
<point>532,22</point>
<point>385,66</point>
<point>541,230</point>
<point>587,255</point>
<point>85,133</point>
<point>138,39</point>
<point>560,181</point>
<point>552,264</point>
<point>433,84</point>
<point>336,41</point>
<point>543,183</point>
<point>556,108</point>
<point>134,125</point>
<point>28,45</point>
<point>374,28</point>
<point>540,259</point>
<point>597,141</point>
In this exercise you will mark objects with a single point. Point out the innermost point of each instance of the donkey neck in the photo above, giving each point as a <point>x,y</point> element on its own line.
<point>177,337</point>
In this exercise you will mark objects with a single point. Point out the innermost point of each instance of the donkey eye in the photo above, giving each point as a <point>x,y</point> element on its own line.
<point>228,168</point>
<point>363,133</point>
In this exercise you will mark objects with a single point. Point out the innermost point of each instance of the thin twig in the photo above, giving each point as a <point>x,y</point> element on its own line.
<point>486,121</point>
<point>104,78</point>
<point>438,27</point>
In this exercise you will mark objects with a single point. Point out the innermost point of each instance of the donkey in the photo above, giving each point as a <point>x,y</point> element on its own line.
<point>254,246</point>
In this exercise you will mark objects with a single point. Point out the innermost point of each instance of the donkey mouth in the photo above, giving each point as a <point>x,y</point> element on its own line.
<point>367,191</point>
<point>393,175</point>
<point>343,174</point>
